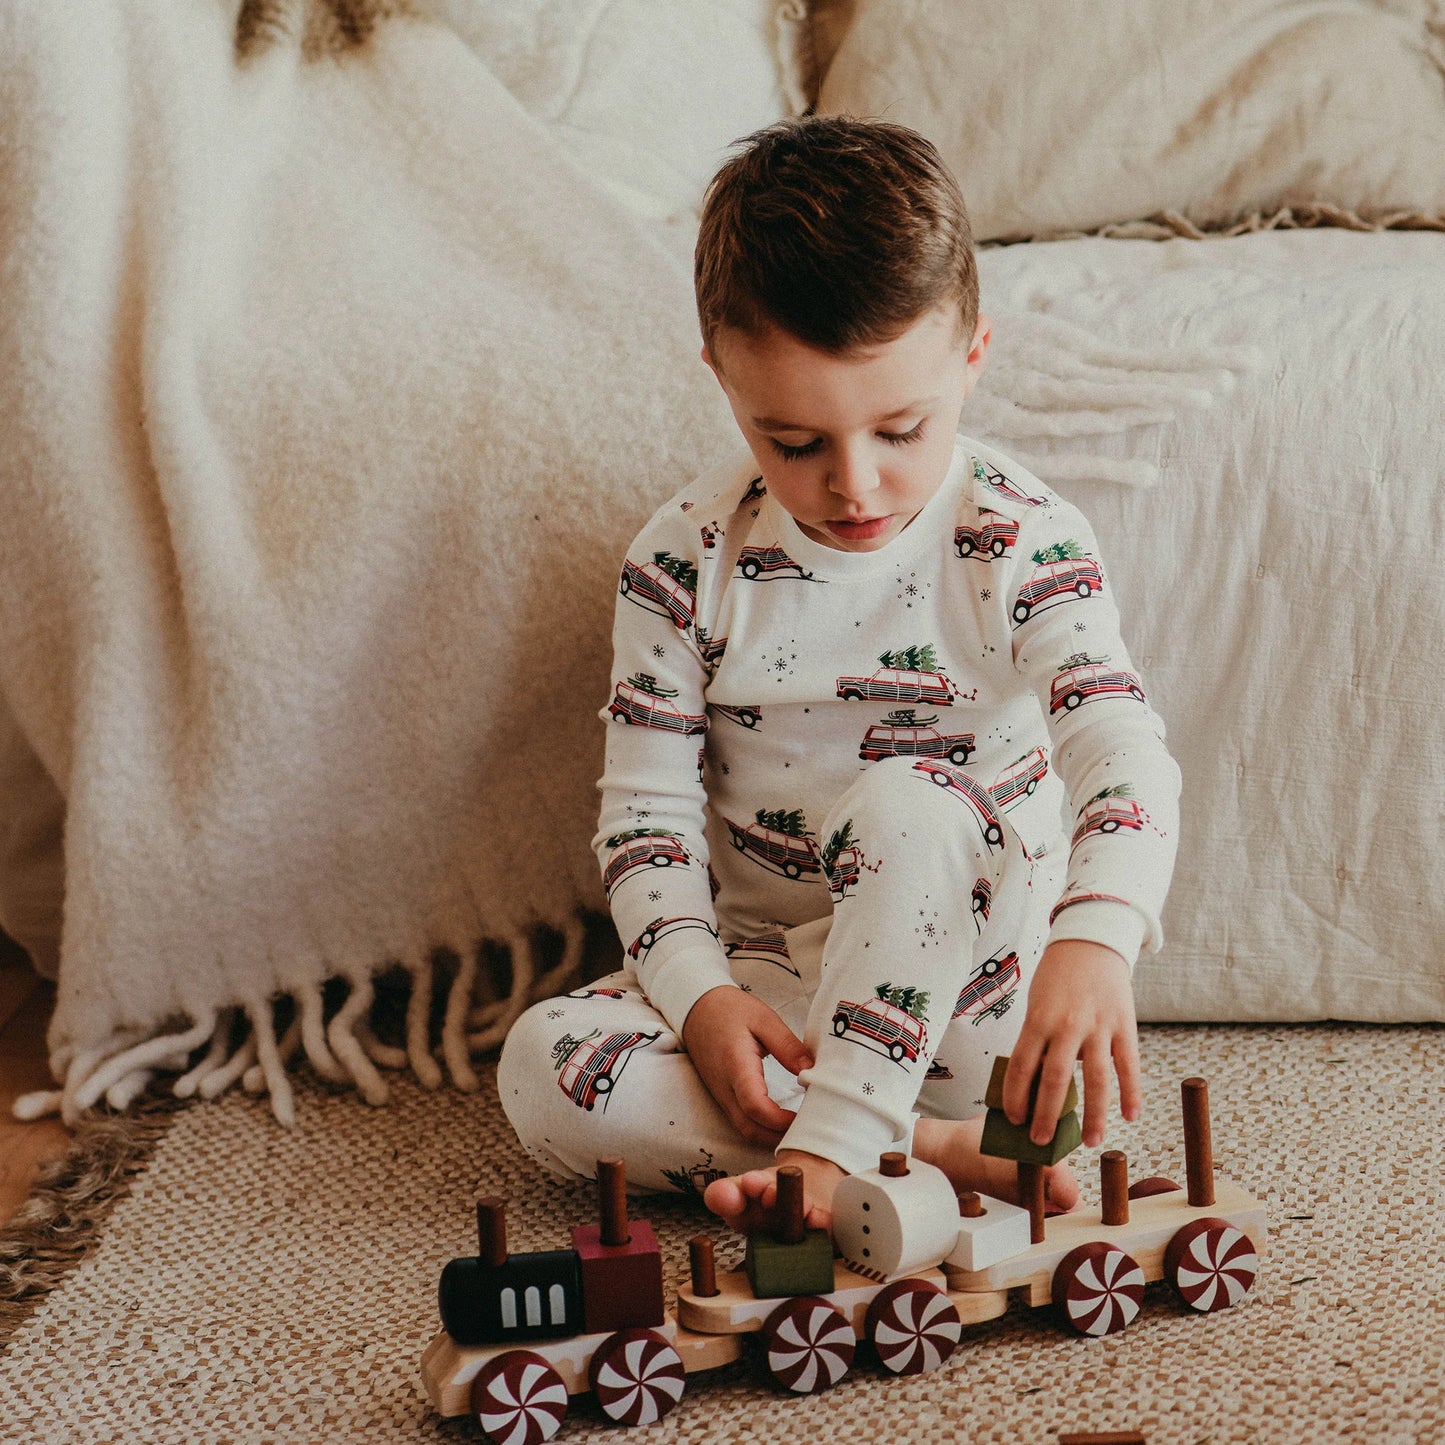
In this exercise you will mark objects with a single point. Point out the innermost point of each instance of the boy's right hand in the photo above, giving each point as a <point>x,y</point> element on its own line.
<point>727,1034</point>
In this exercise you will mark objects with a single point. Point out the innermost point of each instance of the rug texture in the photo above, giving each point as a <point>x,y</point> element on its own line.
<point>264,1285</point>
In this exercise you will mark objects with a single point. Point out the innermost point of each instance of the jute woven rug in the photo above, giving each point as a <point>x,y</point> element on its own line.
<point>261,1286</point>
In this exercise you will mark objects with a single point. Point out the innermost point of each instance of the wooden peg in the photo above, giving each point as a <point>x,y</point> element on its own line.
<point>970,1206</point>
<point>1114,1186</point>
<point>1031,1196</point>
<point>612,1201</point>
<point>491,1231</point>
<point>1198,1142</point>
<point>790,1204</point>
<point>893,1165</point>
<point>1103,1437</point>
<point>704,1270</point>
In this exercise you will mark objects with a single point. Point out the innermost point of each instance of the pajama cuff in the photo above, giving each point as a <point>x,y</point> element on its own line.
<point>682,979</point>
<point>1109,921</point>
<point>836,1126</point>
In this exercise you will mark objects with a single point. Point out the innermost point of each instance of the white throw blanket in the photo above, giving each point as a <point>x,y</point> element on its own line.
<point>330,393</point>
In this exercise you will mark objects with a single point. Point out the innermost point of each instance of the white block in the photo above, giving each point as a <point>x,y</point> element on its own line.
<point>1000,1232</point>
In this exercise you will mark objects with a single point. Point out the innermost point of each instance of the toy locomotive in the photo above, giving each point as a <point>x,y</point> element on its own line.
<point>918,1264</point>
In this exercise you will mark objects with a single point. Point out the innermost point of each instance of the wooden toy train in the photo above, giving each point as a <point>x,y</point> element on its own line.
<point>523,1332</point>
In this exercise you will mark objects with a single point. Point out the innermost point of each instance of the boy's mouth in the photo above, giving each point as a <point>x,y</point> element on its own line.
<point>861,529</point>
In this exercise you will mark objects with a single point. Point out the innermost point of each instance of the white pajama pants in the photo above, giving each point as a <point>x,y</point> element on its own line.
<point>904,994</point>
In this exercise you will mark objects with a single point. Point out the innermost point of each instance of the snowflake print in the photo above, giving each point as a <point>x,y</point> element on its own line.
<point>985,594</point>
<point>658,650</point>
<point>867,1088</point>
<point>930,929</point>
<point>1080,627</point>
<point>910,589</point>
<point>655,896</point>
<point>557,1013</point>
<point>780,660</point>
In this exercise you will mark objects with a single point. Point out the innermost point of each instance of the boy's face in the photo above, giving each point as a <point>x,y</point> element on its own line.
<point>854,446</point>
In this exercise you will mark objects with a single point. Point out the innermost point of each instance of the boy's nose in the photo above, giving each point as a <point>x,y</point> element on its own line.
<point>853,476</point>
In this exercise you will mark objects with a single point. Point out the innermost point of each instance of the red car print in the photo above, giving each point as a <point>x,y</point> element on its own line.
<point>1092,680</point>
<point>748,717</point>
<point>766,948</point>
<point>651,587</point>
<point>779,852</point>
<point>995,480</point>
<point>710,648</point>
<point>659,927</point>
<point>1056,582</point>
<point>639,700</point>
<point>963,786</point>
<point>644,850</point>
<point>755,562</point>
<point>902,735</point>
<point>899,684</point>
<point>1108,815</point>
<point>587,1070</point>
<point>844,873</point>
<point>982,897</point>
<point>1020,779</point>
<point>883,1027</point>
<point>988,542</point>
<point>989,990</point>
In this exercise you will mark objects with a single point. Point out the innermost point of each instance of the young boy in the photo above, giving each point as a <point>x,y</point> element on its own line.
<point>856,673</point>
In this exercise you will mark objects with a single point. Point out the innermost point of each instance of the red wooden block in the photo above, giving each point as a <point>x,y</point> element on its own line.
<point>621,1283</point>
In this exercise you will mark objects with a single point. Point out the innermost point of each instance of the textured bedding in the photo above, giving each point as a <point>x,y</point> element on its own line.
<point>1282,588</point>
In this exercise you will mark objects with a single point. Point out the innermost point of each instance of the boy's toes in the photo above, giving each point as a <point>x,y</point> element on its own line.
<point>1061,1190</point>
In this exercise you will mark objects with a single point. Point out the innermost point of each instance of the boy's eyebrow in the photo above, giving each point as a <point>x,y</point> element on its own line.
<point>769,423</point>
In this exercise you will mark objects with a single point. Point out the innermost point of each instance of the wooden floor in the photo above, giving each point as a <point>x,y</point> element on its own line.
<point>26,1002</point>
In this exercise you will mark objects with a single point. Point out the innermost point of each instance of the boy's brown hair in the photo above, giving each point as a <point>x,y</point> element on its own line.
<point>842,232</point>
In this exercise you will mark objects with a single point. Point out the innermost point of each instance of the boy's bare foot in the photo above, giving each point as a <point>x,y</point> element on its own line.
<point>953,1146</point>
<point>746,1202</point>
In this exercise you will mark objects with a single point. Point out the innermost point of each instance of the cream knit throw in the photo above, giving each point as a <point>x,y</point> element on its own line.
<point>330,394</point>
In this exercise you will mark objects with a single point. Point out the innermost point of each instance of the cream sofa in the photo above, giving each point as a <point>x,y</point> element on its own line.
<point>345,347</point>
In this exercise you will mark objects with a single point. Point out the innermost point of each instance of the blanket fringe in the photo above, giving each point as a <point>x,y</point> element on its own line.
<point>259,1042</point>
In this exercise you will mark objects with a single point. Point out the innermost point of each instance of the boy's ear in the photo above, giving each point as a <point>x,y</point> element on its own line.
<point>978,350</point>
<point>711,364</point>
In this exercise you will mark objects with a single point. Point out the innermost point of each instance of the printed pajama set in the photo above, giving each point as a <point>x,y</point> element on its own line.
<point>836,780</point>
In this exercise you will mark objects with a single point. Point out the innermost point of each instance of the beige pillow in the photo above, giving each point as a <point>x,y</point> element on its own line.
<point>645,95</point>
<point>1062,115</point>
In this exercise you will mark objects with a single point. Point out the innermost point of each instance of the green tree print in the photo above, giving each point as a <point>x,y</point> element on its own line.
<point>911,1000</point>
<point>780,820</point>
<point>1060,552</point>
<point>678,568</point>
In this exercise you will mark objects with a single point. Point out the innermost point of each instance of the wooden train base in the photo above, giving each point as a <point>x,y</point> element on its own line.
<point>1092,1265</point>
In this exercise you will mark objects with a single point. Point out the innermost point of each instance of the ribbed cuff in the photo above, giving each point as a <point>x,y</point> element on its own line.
<point>679,982</point>
<point>1111,922</point>
<point>836,1126</point>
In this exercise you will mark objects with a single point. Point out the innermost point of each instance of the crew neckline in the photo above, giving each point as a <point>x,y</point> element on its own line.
<point>834,564</point>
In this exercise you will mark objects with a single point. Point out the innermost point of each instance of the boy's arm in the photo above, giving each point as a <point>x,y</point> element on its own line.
<point>651,843</point>
<point>1123,787</point>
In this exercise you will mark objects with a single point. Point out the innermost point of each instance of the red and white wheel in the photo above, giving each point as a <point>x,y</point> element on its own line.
<point>1211,1264</point>
<point>637,1377</point>
<point>913,1325</point>
<point>519,1399</point>
<point>1098,1288</point>
<point>809,1345</point>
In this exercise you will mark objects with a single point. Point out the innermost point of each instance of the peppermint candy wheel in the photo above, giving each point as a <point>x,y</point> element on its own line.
<point>1211,1264</point>
<point>913,1325</point>
<point>1098,1288</point>
<point>637,1377</point>
<point>808,1343</point>
<point>518,1399</point>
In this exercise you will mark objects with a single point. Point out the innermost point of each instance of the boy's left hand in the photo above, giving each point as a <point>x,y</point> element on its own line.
<point>1081,1006</point>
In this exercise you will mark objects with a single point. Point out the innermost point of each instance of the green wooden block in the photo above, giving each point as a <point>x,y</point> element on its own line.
<point>1011,1141</point>
<point>776,1270</point>
<point>993,1095</point>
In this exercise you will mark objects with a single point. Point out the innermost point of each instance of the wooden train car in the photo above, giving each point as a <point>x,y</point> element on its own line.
<point>919,1265</point>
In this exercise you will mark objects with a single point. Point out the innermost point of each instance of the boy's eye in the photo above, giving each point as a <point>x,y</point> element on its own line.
<point>899,439</point>
<point>793,454</point>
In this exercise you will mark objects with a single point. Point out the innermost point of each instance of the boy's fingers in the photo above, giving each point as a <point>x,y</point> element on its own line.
<point>759,1107</point>
<point>783,1044</point>
<point>1019,1080</point>
<point>1055,1075</point>
<point>1126,1064</point>
<point>1096,1095</point>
